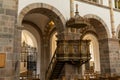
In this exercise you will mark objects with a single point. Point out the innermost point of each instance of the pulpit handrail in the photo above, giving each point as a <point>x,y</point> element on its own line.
<point>50,65</point>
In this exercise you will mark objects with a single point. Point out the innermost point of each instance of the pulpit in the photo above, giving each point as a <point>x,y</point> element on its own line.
<point>71,52</point>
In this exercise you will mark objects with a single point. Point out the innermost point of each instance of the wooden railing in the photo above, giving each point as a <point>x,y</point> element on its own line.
<point>76,51</point>
<point>51,66</point>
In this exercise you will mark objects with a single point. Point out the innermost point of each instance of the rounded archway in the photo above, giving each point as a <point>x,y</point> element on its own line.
<point>94,50</point>
<point>100,30</point>
<point>99,26</point>
<point>46,10</point>
<point>31,28</point>
<point>28,38</point>
<point>28,43</point>
<point>38,16</point>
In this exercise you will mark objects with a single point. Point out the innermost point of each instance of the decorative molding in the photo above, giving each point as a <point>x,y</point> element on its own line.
<point>55,14</point>
<point>93,3</point>
<point>100,20</point>
<point>98,5</point>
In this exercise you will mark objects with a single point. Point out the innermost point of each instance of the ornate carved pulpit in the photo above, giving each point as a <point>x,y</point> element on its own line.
<point>70,48</point>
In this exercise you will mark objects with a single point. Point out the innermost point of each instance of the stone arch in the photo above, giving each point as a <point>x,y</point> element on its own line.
<point>59,17</point>
<point>94,50</point>
<point>89,32</point>
<point>118,31</point>
<point>52,13</point>
<point>34,26</point>
<point>100,24</point>
<point>35,31</point>
<point>103,33</point>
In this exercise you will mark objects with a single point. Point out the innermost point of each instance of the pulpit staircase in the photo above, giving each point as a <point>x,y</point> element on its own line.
<point>54,68</point>
<point>67,51</point>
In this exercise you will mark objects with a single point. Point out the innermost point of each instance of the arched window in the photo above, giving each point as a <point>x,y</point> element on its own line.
<point>117,4</point>
<point>94,50</point>
<point>29,38</point>
<point>28,56</point>
<point>96,1</point>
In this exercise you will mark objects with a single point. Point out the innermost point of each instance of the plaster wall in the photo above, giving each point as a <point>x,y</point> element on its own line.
<point>62,6</point>
<point>84,9</point>
<point>101,12</point>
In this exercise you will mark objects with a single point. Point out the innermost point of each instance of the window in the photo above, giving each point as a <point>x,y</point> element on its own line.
<point>96,1</point>
<point>117,4</point>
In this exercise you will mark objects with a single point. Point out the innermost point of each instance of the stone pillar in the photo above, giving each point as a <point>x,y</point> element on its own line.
<point>104,56</point>
<point>45,57</point>
<point>71,8</point>
<point>10,39</point>
<point>109,56</point>
<point>71,12</point>
<point>116,2</point>
<point>114,55</point>
<point>112,19</point>
<point>42,58</point>
<point>101,1</point>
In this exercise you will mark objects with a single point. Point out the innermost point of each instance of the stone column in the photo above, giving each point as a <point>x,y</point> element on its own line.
<point>71,12</point>
<point>104,56</point>
<point>114,56</point>
<point>45,57</point>
<point>71,8</point>
<point>112,19</point>
<point>116,2</point>
<point>42,58</point>
<point>109,56</point>
<point>101,1</point>
<point>10,39</point>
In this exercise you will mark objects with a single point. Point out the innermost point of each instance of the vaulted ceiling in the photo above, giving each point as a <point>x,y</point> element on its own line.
<point>38,19</point>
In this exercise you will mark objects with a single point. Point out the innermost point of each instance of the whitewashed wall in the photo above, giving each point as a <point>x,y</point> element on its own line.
<point>103,13</point>
<point>62,5</point>
<point>84,8</point>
